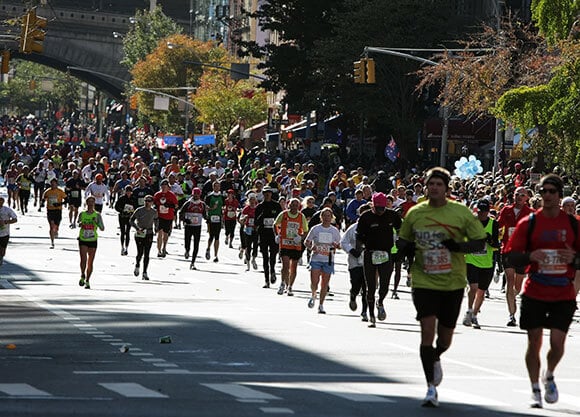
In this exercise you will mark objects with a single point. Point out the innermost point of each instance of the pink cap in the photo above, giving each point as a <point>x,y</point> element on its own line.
<point>196,191</point>
<point>379,200</point>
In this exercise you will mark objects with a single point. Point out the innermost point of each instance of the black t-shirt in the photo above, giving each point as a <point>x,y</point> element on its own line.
<point>266,210</point>
<point>376,232</point>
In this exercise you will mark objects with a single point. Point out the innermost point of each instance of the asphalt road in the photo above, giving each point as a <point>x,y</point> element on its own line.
<point>236,349</point>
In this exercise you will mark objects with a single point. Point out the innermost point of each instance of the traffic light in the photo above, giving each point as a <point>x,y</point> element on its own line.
<point>5,62</point>
<point>359,71</point>
<point>370,64</point>
<point>133,102</point>
<point>32,34</point>
<point>190,95</point>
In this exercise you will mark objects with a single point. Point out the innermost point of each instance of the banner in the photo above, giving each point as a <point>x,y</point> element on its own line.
<point>200,140</point>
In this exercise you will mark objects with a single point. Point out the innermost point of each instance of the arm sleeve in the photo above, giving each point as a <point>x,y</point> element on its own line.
<point>346,238</point>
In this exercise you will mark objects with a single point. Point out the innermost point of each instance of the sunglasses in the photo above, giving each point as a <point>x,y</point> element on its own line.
<point>148,200</point>
<point>548,190</point>
<point>521,195</point>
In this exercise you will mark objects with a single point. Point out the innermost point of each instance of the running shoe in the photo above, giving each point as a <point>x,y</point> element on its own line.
<point>82,281</point>
<point>290,293</point>
<point>364,317</point>
<point>254,264</point>
<point>511,322</point>
<point>145,277</point>
<point>241,254</point>
<point>467,319</point>
<point>52,246</point>
<point>192,267</point>
<point>551,390</point>
<point>431,399</point>
<point>226,242</point>
<point>395,296</point>
<point>122,251</point>
<point>266,285</point>
<point>437,373</point>
<point>536,400</point>
<point>87,285</point>
<point>160,254</point>
<point>216,259</point>
<point>475,323</point>
<point>321,310</point>
<point>247,266</point>
<point>136,271</point>
<point>281,289</point>
<point>186,255</point>
<point>207,255</point>
<point>373,322</point>
<point>382,314</point>
<point>352,303</point>
<point>311,302</point>
<point>272,277</point>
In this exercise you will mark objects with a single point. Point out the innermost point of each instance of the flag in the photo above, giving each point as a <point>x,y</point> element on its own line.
<point>392,150</point>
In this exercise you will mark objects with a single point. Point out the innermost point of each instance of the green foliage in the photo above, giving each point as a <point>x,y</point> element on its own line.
<point>554,18</point>
<point>18,94</point>
<point>149,28</point>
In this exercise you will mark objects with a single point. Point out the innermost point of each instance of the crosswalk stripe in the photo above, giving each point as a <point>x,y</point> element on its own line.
<point>131,390</point>
<point>241,392</point>
<point>20,390</point>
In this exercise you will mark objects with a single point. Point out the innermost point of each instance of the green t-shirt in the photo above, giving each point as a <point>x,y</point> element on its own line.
<point>435,267</point>
<point>217,200</point>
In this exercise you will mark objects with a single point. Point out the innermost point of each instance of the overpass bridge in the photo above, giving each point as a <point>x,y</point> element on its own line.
<point>77,38</point>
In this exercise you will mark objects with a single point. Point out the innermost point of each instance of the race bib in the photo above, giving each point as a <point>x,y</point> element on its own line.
<point>250,222</point>
<point>511,231</point>
<point>128,208</point>
<point>323,250</point>
<point>230,214</point>
<point>140,233</point>
<point>379,257</point>
<point>75,194</point>
<point>292,230</point>
<point>88,233</point>
<point>193,218</point>
<point>163,209</point>
<point>214,219</point>
<point>141,201</point>
<point>269,222</point>
<point>437,261</point>
<point>52,201</point>
<point>553,263</point>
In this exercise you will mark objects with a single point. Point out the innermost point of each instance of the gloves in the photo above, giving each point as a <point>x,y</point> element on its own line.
<point>452,245</point>
<point>355,252</point>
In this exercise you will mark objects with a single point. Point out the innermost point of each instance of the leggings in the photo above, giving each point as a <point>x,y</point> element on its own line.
<point>384,270</point>
<point>358,285</point>
<point>143,248</point>
<point>250,244</point>
<point>24,196</point>
<point>230,226</point>
<point>195,233</point>
<point>125,227</point>
<point>269,250</point>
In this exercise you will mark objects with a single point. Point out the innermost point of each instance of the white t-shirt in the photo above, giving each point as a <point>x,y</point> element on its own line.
<point>324,239</point>
<point>6,213</point>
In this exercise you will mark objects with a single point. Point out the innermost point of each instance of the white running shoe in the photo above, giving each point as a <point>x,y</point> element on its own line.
<point>311,302</point>
<point>431,399</point>
<point>467,319</point>
<point>437,373</point>
<point>551,390</point>
<point>536,400</point>
<point>321,310</point>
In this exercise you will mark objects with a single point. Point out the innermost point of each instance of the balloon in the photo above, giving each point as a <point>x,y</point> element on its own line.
<point>467,168</point>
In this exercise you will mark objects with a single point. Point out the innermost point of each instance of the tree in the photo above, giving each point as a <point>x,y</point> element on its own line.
<point>25,93</point>
<point>149,28</point>
<point>224,103</point>
<point>554,18</point>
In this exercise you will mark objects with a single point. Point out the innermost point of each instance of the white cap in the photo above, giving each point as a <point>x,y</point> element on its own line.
<point>567,200</point>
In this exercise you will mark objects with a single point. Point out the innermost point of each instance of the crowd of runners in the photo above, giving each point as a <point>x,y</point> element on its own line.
<point>448,233</point>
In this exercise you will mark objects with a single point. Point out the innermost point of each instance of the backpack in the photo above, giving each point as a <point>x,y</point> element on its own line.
<point>532,224</point>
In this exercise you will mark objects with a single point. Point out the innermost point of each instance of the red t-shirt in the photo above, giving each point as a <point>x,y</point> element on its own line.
<point>553,281</point>
<point>230,209</point>
<point>507,220</point>
<point>162,199</point>
<point>250,213</point>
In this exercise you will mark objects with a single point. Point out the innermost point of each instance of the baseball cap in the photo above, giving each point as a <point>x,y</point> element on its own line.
<point>379,200</point>
<point>99,177</point>
<point>196,191</point>
<point>567,200</point>
<point>483,205</point>
<point>164,182</point>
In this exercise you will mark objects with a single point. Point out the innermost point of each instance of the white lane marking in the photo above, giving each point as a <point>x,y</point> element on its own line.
<point>153,360</point>
<point>165,365</point>
<point>114,340</point>
<point>102,336</point>
<point>7,285</point>
<point>140,354</point>
<point>276,410</point>
<point>320,326</point>
<point>120,344</point>
<point>164,372</point>
<point>82,324</point>
<point>19,390</point>
<point>93,332</point>
<point>241,392</point>
<point>131,390</point>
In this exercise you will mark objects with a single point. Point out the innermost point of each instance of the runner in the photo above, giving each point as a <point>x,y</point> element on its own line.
<point>231,206</point>
<point>480,266</point>
<point>248,234</point>
<point>353,248</point>
<point>125,206</point>
<point>166,203</point>
<point>375,232</point>
<point>192,214</point>
<point>39,175</point>
<point>214,202</point>
<point>10,177</point>
<point>323,239</point>
<point>144,220</point>
<point>73,188</point>
<point>89,221</point>
<point>547,243</point>
<point>24,182</point>
<point>7,217</point>
<point>99,190</point>
<point>438,232</point>
<point>291,227</point>
<point>509,216</point>
<point>55,198</point>
<point>266,213</point>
